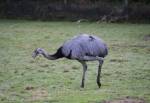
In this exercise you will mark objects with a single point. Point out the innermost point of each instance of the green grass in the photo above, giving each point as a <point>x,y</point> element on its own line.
<point>126,70</point>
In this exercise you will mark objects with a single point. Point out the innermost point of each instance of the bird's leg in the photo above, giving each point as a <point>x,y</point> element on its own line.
<point>84,71</point>
<point>99,72</point>
<point>92,58</point>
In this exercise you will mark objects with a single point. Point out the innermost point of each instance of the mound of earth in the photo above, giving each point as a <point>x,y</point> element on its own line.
<point>127,100</point>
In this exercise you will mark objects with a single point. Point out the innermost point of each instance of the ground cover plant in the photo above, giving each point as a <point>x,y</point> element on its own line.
<point>125,72</point>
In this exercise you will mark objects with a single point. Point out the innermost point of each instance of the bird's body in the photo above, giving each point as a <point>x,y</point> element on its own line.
<point>83,48</point>
<point>84,45</point>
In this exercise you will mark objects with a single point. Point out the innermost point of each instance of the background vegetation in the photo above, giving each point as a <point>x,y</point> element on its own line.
<point>105,10</point>
<point>125,72</point>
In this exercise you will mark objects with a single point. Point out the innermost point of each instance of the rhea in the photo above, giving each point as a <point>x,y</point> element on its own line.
<point>82,48</point>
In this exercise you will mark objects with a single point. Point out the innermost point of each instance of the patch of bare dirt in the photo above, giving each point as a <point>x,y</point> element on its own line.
<point>36,93</point>
<point>75,67</point>
<point>118,60</point>
<point>146,37</point>
<point>65,70</point>
<point>39,94</point>
<point>44,65</point>
<point>127,100</point>
<point>29,88</point>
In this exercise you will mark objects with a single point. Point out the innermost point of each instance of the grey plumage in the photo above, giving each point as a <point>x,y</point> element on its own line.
<point>83,48</point>
<point>84,45</point>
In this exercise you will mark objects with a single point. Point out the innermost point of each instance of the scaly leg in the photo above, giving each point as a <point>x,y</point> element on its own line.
<point>99,72</point>
<point>84,71</point>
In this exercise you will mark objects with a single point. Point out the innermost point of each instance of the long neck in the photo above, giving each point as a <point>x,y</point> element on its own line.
<point>55,56</point>
<point>50,57</point>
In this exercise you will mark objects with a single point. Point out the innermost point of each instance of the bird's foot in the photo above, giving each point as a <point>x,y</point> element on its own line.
<point>99,85</point>
<point>82,86</point>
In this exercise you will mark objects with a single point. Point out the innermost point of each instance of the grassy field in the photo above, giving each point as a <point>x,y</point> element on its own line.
<point>125,73</point>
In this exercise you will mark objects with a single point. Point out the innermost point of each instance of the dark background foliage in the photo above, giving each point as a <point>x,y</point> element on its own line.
<point>101,10</point>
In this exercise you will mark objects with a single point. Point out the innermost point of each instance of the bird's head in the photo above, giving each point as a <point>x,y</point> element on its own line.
<point>36,52</point>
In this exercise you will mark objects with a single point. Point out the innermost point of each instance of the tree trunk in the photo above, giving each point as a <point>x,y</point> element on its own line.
<point>126,9</point>
<point>65,2</point>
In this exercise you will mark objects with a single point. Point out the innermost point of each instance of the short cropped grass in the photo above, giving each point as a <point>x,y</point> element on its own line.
<point>126,70</point>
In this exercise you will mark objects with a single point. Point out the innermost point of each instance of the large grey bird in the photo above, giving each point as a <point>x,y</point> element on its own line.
<point>82,48</point>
